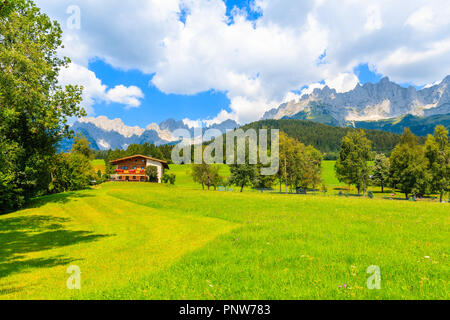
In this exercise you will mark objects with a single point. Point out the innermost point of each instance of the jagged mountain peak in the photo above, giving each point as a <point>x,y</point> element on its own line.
<point>104,133</point>
<point>172,125</point>
<point>371,101</point>
<point>446,80</point>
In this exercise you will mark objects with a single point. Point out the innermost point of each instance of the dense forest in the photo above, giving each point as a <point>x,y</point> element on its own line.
<point>420,126</point>
<point>327,138</point>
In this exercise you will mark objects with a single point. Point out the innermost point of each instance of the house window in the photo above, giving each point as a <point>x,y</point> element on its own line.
<point>124,168</point>
<point>143,168</point>
<point>134,168</point>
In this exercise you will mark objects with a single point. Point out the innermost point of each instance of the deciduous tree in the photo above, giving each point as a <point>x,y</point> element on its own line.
<point>437,151</point>
<point>34,109</point>
<point>381,171</point>
<point>352,166</point>
<point>242,175</point>
<point>408,166</point>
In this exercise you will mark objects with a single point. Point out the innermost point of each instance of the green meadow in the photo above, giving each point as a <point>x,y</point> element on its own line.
<point>99,165</point>
<point>149,241</point>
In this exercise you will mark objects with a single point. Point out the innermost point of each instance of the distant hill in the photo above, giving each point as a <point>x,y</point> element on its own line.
<point>327,138</point>
<point>420,126</point>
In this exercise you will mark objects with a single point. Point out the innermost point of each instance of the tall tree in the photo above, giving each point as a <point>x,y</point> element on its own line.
<point>310,167</point>
<point>7,6</point>
<point>408,166</point>
<point>300,165</point>
<point>352,165</point>
<point>437,151</point>
<point>34,109</point>
<point>242,175</point>
<point>82,146</point>
<point>381,171</point>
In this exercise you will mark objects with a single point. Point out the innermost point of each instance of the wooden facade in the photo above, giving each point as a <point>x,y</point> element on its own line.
<point>133,168</point>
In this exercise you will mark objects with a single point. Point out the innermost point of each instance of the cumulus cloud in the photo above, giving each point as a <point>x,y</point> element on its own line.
<point>258,64</point>
<point>94,91</point>
<point>343,82</point>
<point>128,96</point>
<point>374,21</point>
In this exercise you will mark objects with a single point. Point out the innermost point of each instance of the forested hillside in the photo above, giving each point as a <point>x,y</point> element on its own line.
<point>420,126</point>
<point>327,138</point>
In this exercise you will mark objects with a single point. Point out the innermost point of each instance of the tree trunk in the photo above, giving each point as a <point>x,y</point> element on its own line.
<point>442,196</point>
<point>242,188</point>
<point>203,186</point>
<point>406,194</point>
<point>382,188</point>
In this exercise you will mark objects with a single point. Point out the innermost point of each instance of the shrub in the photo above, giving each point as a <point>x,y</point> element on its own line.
<point>152,173</point>
<point>169,178</point>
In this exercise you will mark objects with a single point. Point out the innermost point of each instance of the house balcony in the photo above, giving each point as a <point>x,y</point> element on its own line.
<point>138,171</point>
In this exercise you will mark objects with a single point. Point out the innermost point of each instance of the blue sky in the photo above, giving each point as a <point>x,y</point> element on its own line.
<point>156,106</point>
<point>147,61</point>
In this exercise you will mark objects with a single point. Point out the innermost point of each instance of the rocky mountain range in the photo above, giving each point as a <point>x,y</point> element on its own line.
<point>104,133</point>
<point>384,106</point>
<point>368,102</point>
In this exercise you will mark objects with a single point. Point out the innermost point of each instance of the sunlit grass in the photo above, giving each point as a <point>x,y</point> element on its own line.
<point>149,241</point>
<point>99,164</point>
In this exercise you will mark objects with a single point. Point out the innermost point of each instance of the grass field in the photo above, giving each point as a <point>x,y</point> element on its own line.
<point>148,241</point>
<point>99,165</point>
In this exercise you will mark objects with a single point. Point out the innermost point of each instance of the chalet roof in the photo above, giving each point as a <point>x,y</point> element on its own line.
<point>164,163</point>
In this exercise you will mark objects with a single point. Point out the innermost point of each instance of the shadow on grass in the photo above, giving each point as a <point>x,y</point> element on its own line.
<point>20,236</point>
<point>60,198</point>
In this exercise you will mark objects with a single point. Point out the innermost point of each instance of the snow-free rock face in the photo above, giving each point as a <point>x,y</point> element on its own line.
<point>383,100</point>
<point>104,133</point>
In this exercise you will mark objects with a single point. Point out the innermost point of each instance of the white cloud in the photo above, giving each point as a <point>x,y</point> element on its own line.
<point>128,96</point>
<point>343,82</point>
<point>259,63</point>
<point>193,123</point>
<point>422,19</point>
<point>94,91</point>
<point>374,21</point>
